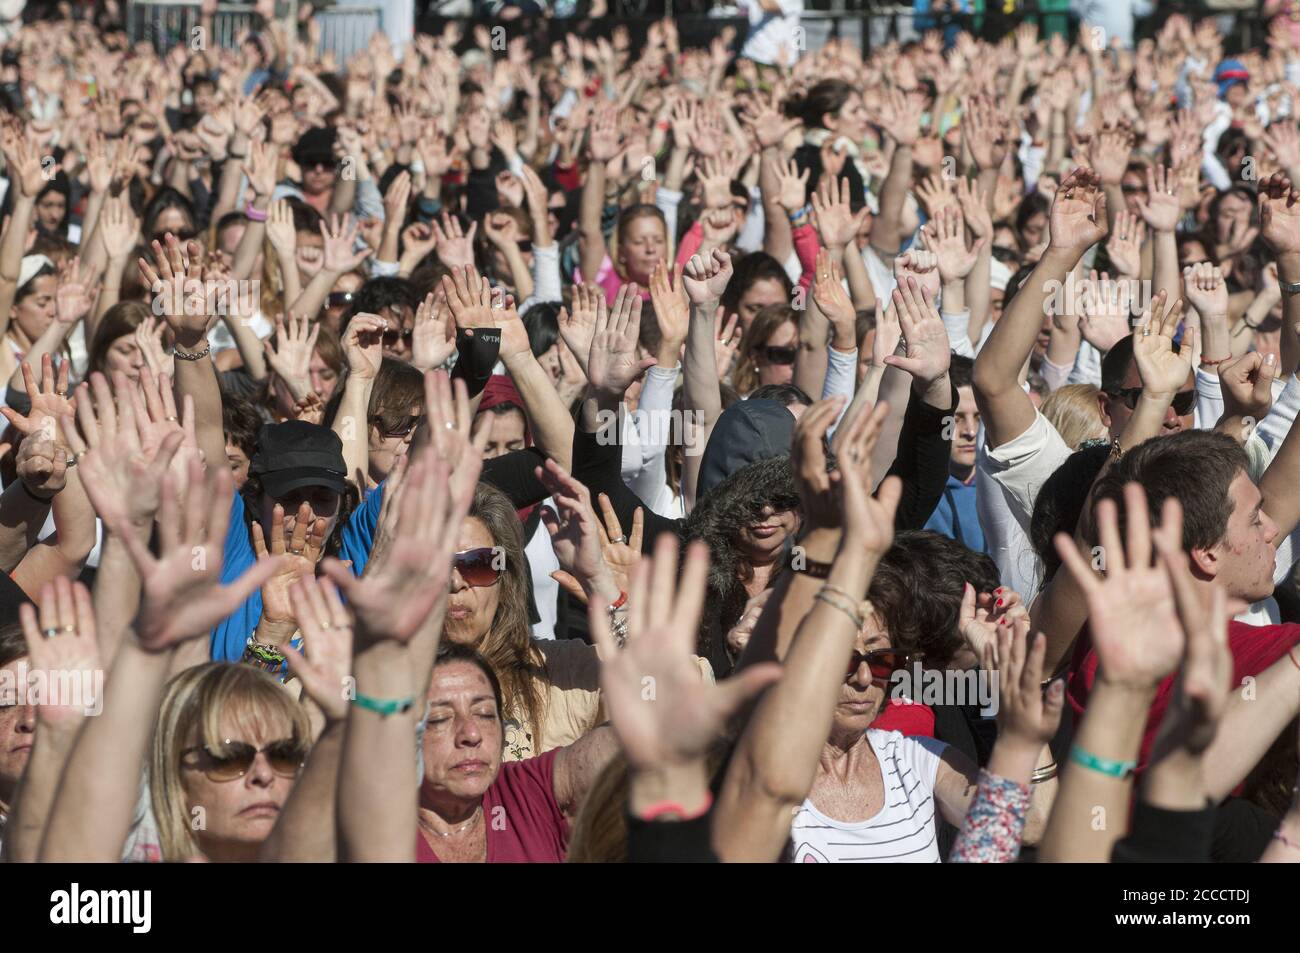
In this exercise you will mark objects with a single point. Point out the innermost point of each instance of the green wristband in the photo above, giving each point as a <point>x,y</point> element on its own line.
<point>1107,766</point>
<point>384,706</point>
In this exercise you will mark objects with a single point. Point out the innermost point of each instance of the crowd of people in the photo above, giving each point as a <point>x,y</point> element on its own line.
<point>487,451</point>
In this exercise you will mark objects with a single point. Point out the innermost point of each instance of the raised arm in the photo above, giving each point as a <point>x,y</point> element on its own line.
<point>602,145</point>
<point>703,284</point>
<point>363,348</point>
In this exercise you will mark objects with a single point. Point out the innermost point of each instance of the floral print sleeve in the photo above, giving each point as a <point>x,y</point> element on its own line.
<point>990,833</point>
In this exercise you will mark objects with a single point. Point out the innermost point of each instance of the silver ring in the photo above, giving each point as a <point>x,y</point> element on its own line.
<point>449,425</point>
<point>50,631</point>
<point>172,419</point>
<point>295,552</point>
<point>326,624</point>
<point>619,539</point>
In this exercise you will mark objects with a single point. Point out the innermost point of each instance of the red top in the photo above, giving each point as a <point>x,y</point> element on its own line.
<point>910,719</point>
<point>1254,648</point>
<point>524,822</point>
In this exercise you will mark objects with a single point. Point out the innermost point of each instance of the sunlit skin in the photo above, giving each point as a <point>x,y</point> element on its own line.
<point>323,377</point>
<point>1115,413</point>
<point>50,211</point>
<point>17,732</point>
<point>1243,561</point>
<point>759,295</point>
<point>239,814</point>
<point>398,322</point>
<point>470,609</point>
<point>761,542</point>
<point>506,433</point>
<point>786,335</point>
<point>462,744</point>
<point>323,502</point>
<point>851,122</point>
<point>642,245</point>
<point>318,176</point>
<point>172,220</point>
<point>347,283</point>
<point>124,356</point>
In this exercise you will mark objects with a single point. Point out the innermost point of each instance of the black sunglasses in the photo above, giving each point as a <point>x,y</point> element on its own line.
<point>399,428</point>
<point>185,235</point>
<point>780,355</point>
<point>1184,400</point>
<point>478,566</point>
<point>233,758</point>
<point>312,165</point>
<point>337,299</point>
<point>391,337</point>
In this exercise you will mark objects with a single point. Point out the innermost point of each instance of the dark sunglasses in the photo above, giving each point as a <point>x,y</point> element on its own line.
<point>391,337</point>
<point>1132,189</point>
<point>337,299</point>
<point>477,567</point>
<point>1184,400</point>
<point>185,235</point>
<point>233,759</point>
<point>398,428</point>
<point>313,165</point>
<point>883,663</point>
<point>780,355</point>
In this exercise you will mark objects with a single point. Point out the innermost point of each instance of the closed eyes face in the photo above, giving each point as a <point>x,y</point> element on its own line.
<point>463,733</point>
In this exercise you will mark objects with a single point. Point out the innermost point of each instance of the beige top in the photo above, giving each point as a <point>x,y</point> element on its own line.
<point>573,702</point>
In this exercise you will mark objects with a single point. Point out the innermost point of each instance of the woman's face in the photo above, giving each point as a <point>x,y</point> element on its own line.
<point>759,295</point>
<point>323,377</point>
<point>862,696</point>
<point>50,210</point>
<point>506,433</point>
<point>1034,230</point>
<point>852,120</point>
<point>1233,210</point>
<point>1192,253</point>
<point>36,310</point>
<point>470,609</point>
<point>765,538</point>
<point>463,734</point>
<point>643,245</point>
<point>240,812</point>
<point>124,355</point>
<point>775,359</point>
<point>17,730</point>
<point>175,221</point>
<point>385,448</point>
<point>238,461</point>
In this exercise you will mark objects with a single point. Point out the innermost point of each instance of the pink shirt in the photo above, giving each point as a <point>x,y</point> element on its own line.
<point>609,280</point>
<point>524,822</point>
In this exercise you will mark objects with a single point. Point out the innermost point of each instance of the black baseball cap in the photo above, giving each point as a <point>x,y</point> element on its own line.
<point>295,454</point>
<point>315,145</point>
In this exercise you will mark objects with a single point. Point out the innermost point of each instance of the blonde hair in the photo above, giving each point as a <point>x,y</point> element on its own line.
<point>1073,411</point>
<point>193,707</point>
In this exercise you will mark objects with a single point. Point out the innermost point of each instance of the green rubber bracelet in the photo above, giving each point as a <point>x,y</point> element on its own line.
<point>384,706</point>
<point>1107,766</point>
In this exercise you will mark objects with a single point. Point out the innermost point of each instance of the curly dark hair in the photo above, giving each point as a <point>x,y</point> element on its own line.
<point>917,591</point>
<point>718,519</point>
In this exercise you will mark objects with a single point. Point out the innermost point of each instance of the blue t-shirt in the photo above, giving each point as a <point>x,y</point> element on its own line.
<point>231,634</point>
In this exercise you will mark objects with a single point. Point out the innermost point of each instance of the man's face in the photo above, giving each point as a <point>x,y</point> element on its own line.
<point>1115,409</point>
<point>966,426</point>
<point>1244,558</point>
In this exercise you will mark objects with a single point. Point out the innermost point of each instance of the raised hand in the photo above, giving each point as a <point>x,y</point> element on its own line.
<point>1161,208</point>
<point>919,264</point>
<point>928,351</point>
<point>49,403</point>
<point>454,247</point>
<point>1078,213</point>
<point>578,322</point>
<point>900,117</point>
<point>1125,244</point>
<point>175,281</point>
<point>363,344</point>
<point>791,185</point>
<point>828,291</point>
<point>433,335</point>
<point>325,664</point>
<point>612,364</point>
<point>183,596</point>
<point>1028,717</point>
<point>1108,154</point>
<point>706,278</point>
<point>1162,369</point>
<point>1107,310</point>
<point>402,588</point>
<point>603,135</point>
<point>295,558</point>
<point>117,229</point>
<point>1247,385</point>
<point>1134,596</point>
<point>726,343</point>
<point>868,520</point>
<point>62,645</point>
<point>290,354</point>
<point>973,208</point>
<point>1206,290</point>
<point>280,231</point>
<point>672,308</point>
<point>946,236</point>
<point>1279,216</point>
<point>686,715</point>
<point>832,216</point>
<point>339,254</point>
<point>982,615</point>
<point>575,531</point>
<point>768,125</point>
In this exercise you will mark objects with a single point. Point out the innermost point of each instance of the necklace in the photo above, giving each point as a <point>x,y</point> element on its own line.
<point>455,830</point>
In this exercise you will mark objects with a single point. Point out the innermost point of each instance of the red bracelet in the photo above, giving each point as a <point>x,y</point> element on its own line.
<point>660,808</point>
<point>619,602</point>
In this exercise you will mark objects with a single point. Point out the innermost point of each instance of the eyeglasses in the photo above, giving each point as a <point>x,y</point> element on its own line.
<point>779,355</point>
<point>1184,400</point>
<point>399,428</point>
<point>337,299</point>
<point>478,566</point>
<point>391,337</point>
<point>883,663</point>
<point>233,759</point>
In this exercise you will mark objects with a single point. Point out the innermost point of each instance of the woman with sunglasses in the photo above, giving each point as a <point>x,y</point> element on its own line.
<point>229,746</point>
<point>767,351</point>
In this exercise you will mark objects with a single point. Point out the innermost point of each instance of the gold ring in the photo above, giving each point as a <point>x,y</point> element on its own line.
<point>172,419</point>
